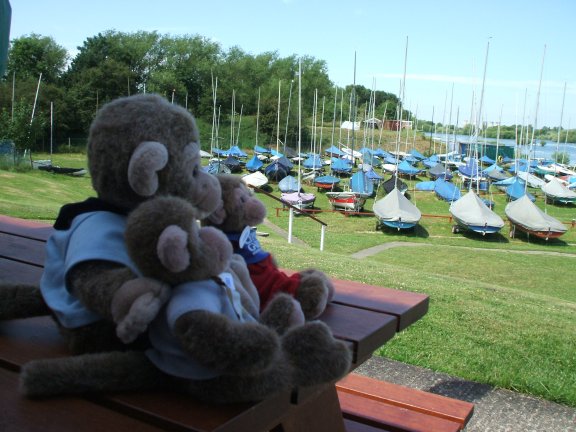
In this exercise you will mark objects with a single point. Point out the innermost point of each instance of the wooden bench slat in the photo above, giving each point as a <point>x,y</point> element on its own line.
<point>353,324</point>
<point>18,272</point>
<point>380,414</point>
<point>409,307</point>
<point>19,414</point>
<point>29,339</point>
<point>404,397</point>
<point>25,228</point>
<point>181,412</point>
<point>22,249</point>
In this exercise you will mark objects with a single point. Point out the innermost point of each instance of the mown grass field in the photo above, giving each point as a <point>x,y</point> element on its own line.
<point>502,311</point>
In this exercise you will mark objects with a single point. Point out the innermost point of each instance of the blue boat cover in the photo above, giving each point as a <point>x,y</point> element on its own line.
<point>485,159</point>
<point>369,158</point>
<point>313,162</point>
<point>260,149</point>
<point>406,168</point>
<point>327,179</point>
<point>254,164</point>
<point>381,153</point>
<point>431,161</point>
<point>285,162</point>
<point>275,153</point>
<point>340,165</point>
<point>360,183</point>
<point>218,167</point>
<point>426,185</point>
<point>417,154</point>
<point>373,175</point>
<point>333,150</point>
<point>288,184</point>
<point>236,152</point>
<point>470,169</point>
<point>492,167</point>
<point>446,190</point>
<point>508,181</point>
<point>276,171</point>
<point>517,189</point>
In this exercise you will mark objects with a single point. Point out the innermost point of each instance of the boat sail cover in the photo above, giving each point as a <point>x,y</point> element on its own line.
<point>299,199</point>
<point>289,184</point>
<point>517,189</point>
<point>446,190</point>
<point>531,179</point>
<point>396,207</point>
<point>471,211</point>
<point>255,179</point>
<point>360,183</point>
<point>254,164</point>
<point>557,191</point>
<point>525,213</point>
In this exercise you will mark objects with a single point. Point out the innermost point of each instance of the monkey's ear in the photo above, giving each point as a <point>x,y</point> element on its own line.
<point>148,158</point>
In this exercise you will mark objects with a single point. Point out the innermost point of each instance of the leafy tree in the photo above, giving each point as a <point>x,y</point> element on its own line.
<point>20,127</point>
<point>30,56</point>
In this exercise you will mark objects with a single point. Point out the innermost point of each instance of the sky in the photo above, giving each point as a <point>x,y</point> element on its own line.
<point>508,61</point>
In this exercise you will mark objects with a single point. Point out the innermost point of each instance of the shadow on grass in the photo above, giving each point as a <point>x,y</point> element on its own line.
<point>417,231</point>
<point>490,238</point>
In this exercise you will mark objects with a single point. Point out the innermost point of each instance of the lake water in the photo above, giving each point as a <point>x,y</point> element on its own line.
<point>539,151</point>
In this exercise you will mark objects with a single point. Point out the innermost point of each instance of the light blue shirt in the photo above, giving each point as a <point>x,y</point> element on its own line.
<point>167,353</point>
<point>92,236</point>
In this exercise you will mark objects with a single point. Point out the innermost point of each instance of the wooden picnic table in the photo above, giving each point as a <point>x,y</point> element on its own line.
<point>363,316</point>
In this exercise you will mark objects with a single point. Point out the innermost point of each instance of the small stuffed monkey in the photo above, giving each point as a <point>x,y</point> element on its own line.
<point>240,212</point>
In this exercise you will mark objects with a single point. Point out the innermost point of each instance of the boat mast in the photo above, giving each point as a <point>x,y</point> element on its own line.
<point>560,126</point>
<point>239,123</point>
<point>401,110</point>
<point>498,134</point>
<point>257,115</point>
<point>353,104</point>
<point>479,116</point>
<point>535,120</point>
<point>278,118</point>
<point>214,120</point>
<point>333,117</point>
<point>288,114</point>
<point>299,120</point>
<point>232,118</point>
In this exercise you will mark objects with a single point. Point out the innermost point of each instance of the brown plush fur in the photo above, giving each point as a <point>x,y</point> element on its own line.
<point>241,209</point>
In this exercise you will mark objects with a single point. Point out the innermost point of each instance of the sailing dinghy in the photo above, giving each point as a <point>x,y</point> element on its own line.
<point>255,179</point>
<point>556,191</point>
<point>396,211</point>
<point>526,216</point>
<point>472,214</point>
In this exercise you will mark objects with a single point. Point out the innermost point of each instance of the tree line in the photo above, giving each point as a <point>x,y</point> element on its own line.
<point>48,96</point>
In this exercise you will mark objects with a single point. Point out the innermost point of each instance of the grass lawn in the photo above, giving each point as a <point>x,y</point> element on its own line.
<point>502,311</point>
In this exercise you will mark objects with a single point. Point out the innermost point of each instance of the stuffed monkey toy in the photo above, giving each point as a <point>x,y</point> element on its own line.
<point>240,212</point>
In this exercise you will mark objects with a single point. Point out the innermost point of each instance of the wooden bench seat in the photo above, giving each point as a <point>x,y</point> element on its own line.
<point>366,402</point>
